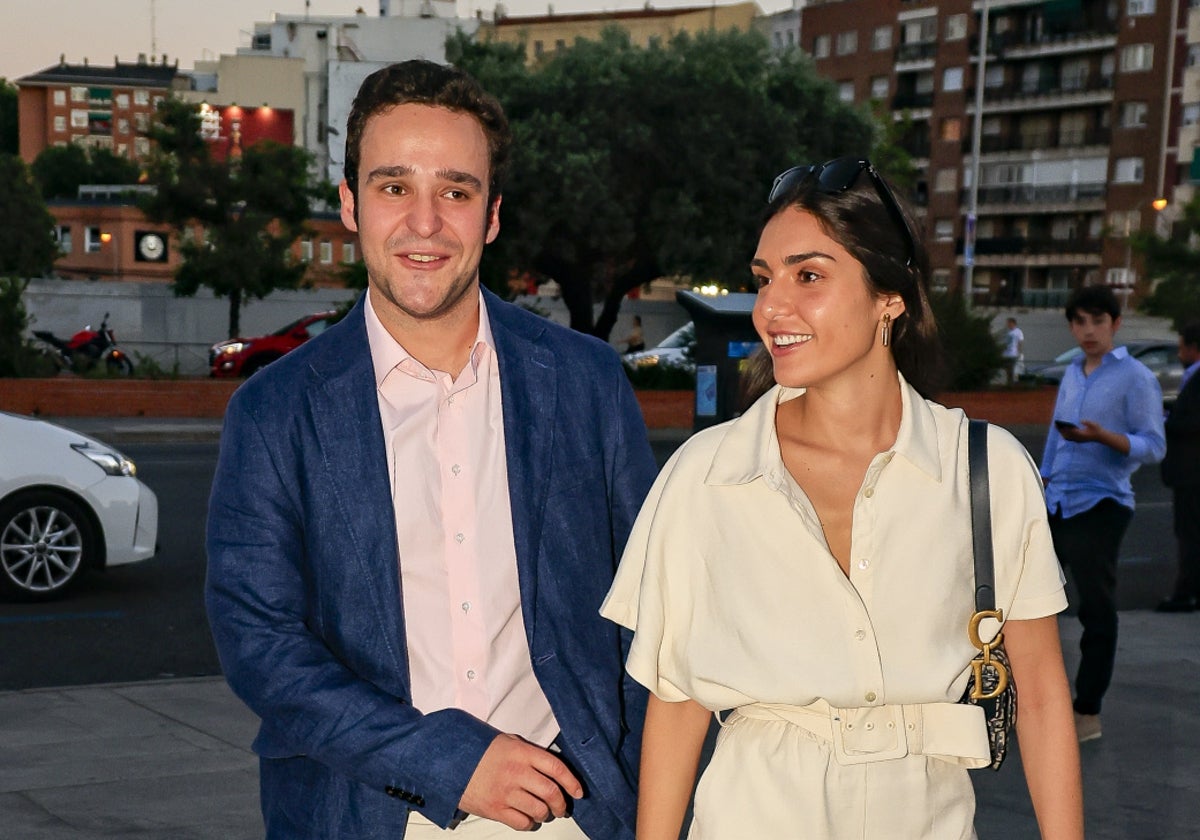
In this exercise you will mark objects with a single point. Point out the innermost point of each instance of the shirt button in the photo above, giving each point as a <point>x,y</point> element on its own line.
<point>450,401</point>
<point>860,634</point>
<point>470,675</point>
<point>864,564</point>
<point>870,696</point>
<point>459,537</point>
<point>869,492</point>
<point>466,606</point>
<point>456,469</point>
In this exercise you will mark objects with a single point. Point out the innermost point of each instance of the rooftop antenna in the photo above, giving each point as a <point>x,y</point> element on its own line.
<point>153,29</point>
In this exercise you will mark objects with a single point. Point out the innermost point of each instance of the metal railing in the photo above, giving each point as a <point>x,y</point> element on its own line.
<point>1039,194</point>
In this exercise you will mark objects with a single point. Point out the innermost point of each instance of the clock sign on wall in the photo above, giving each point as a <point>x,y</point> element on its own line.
<point>150,246</point>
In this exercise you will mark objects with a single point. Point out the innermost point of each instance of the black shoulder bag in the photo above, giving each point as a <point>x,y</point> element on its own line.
<point>991,686</point>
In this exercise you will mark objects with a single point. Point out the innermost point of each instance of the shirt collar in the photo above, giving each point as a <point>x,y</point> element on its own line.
<point>387,353</point>
<point>1117,353</point>
<point>750,447</point>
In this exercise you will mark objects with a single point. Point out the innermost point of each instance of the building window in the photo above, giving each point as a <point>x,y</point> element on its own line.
<point>993,77</point>
<point>821,46</point>
<point>1133,114</point>
<point>879,87</point>
<point>63,234</point>
<point>560,44</point>
<point>923,84</point>
<point>60,98</point>
<point>141,97</point>
<point>951,129</point>
<point>326,252</point>
<point>1193,56</point>
<point>923,31</point>
<point>79,94</point>
<point>952,78</point>
<point>881,38</point>
<point>122,100</point>
<point>347,252</point>
<point>940,282</point>
<point>122,126</point>
<point>141,122</point>
<point>538,48</point>
<point>79,119</point>
<point>306,250</point>
<point>60,123</point>
<point>846,91</point>
<point>946,180</point>
<point>91,240</point>
<point>1191,114</point>
<point>791,37</point>
<point>956,27</point>
<point>847,42</point>
<point>1134,8</point>
<point>943,230</point>
<point>1137,57</point>
<point>141,146</point>
<point>1128,170</point>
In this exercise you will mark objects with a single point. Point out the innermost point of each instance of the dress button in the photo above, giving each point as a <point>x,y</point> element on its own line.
<point>864,564</point>
<point>869,492</point>
<point>870,696</point>
<point>869,727</point>
<point>860,634</point>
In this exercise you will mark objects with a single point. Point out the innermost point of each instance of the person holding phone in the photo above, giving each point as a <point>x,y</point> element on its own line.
<point>1108,421</point>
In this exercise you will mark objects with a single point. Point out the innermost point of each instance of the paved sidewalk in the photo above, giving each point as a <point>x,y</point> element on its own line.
<point>170,760</point>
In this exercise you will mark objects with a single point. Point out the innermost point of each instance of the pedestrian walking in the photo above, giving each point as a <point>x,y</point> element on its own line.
<point>1108,421</point>
<point>1014,350</point>
<point>1181,472</point>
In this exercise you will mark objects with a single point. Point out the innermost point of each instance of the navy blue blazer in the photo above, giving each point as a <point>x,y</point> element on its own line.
<point>303,589</point>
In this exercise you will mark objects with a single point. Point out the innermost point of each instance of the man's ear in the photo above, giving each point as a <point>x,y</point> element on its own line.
<point>349,211</point>
<point>493,221</point>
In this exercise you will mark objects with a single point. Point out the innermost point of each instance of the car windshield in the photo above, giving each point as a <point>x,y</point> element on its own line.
<point>682,337</point>
<point>290,327</point>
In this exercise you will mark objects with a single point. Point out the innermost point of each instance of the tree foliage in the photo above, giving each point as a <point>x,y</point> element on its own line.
<point>1173,265</point>
<point>250,209</point>
<point>61,170</point>
<point>9,139</point>
<point>634,163</point>
<point>27,246</point>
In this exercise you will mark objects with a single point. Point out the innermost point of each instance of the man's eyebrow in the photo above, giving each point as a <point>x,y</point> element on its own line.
<point>792,259</point>
<point>454,176</point>
<point>457,176</point>
<point>388,172</point>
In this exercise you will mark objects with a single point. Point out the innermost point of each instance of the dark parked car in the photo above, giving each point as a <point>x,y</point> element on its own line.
<point>243,356</point>
<point>1160,355</point>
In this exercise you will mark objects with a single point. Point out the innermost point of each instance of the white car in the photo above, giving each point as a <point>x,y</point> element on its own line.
<point>677,349</point>
<point>68,504</point>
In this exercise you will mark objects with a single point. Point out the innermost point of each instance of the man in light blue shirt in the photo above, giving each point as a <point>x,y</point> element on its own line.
<point>1107,422</point>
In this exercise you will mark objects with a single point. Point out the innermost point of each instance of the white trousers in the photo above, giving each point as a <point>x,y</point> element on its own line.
<point>477,828</point>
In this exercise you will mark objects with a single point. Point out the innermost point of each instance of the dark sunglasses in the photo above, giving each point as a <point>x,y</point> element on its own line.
<point>839,175</point>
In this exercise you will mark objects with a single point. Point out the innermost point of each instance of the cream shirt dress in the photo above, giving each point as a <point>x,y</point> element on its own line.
<point>845,722</point>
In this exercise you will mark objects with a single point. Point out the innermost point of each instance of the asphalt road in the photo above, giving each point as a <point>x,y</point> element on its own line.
<point>146,621</point>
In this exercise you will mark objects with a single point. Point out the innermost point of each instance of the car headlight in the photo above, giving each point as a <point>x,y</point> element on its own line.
<point>113,463</point>
<point>647,361</point>
<point>232,349</point>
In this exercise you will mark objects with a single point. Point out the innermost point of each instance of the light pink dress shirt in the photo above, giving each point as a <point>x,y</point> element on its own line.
<point>458,565</point>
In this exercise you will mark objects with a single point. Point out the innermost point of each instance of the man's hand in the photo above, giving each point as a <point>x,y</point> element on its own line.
<point>1092,432</point>
<point>519,784</point>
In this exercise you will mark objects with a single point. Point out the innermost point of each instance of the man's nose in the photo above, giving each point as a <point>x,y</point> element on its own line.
<point>424,216</point>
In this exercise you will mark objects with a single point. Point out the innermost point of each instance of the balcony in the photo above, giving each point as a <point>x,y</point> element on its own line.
<point>1037,194</point>
<point>923,51</point>
<point>1047,87</point>
<point>912,100</point>
<point>1058,139</point>
<point>1033,245</point>
<point>1016,44</point>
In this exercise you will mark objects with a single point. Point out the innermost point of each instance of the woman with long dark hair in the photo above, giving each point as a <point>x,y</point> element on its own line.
<point>808,566</point>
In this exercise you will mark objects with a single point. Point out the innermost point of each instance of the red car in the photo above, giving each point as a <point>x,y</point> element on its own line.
<point>243,356</point>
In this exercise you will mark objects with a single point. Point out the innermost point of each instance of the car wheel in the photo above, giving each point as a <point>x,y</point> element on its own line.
<point>46,542</point>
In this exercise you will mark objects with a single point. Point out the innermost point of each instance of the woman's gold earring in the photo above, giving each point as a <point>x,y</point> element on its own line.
<point>886,331</point>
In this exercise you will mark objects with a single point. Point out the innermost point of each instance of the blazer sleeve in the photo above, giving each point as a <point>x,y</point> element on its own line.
<point>276,645</point>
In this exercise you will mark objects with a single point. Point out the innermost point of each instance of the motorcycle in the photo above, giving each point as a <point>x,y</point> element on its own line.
<point>88,348</point>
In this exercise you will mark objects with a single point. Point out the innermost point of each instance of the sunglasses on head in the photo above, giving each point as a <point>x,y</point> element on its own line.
<point>839,175</point>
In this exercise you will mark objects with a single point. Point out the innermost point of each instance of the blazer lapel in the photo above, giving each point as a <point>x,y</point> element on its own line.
<point>528,388</point>
<point>345,416</point>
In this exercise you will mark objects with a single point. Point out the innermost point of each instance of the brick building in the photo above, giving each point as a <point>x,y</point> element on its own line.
<point>1079,127</point>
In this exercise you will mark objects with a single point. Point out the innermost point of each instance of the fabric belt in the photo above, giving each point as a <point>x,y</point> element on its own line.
<point>953,732</point>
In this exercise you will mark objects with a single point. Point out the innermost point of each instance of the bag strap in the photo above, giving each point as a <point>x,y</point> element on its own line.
<point>981,516</point>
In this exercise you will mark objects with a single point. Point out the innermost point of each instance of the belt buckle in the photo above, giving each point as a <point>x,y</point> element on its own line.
<point>868,733</point>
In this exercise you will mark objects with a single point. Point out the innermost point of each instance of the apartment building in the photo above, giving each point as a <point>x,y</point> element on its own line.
<point>1076,146</point>
<point>542,35</point>
<point>109,107</point>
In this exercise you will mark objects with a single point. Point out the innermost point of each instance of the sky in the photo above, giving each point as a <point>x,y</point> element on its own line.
<point>34,33</point>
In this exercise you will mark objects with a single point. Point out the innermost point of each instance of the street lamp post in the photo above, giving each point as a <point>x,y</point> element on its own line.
<point>976,148</point>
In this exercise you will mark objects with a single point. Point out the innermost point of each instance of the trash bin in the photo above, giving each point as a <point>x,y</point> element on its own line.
<point>725,338</point>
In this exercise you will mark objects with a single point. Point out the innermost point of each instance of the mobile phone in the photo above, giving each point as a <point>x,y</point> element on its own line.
<point>1065,424</point>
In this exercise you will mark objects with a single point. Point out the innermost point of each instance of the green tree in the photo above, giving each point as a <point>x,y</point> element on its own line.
<point>27,249</point>
<point>61,170</point>
<point>9,143</point>
<point>1173,264</point>
<point>635,163</point>
<point>251,210</point>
